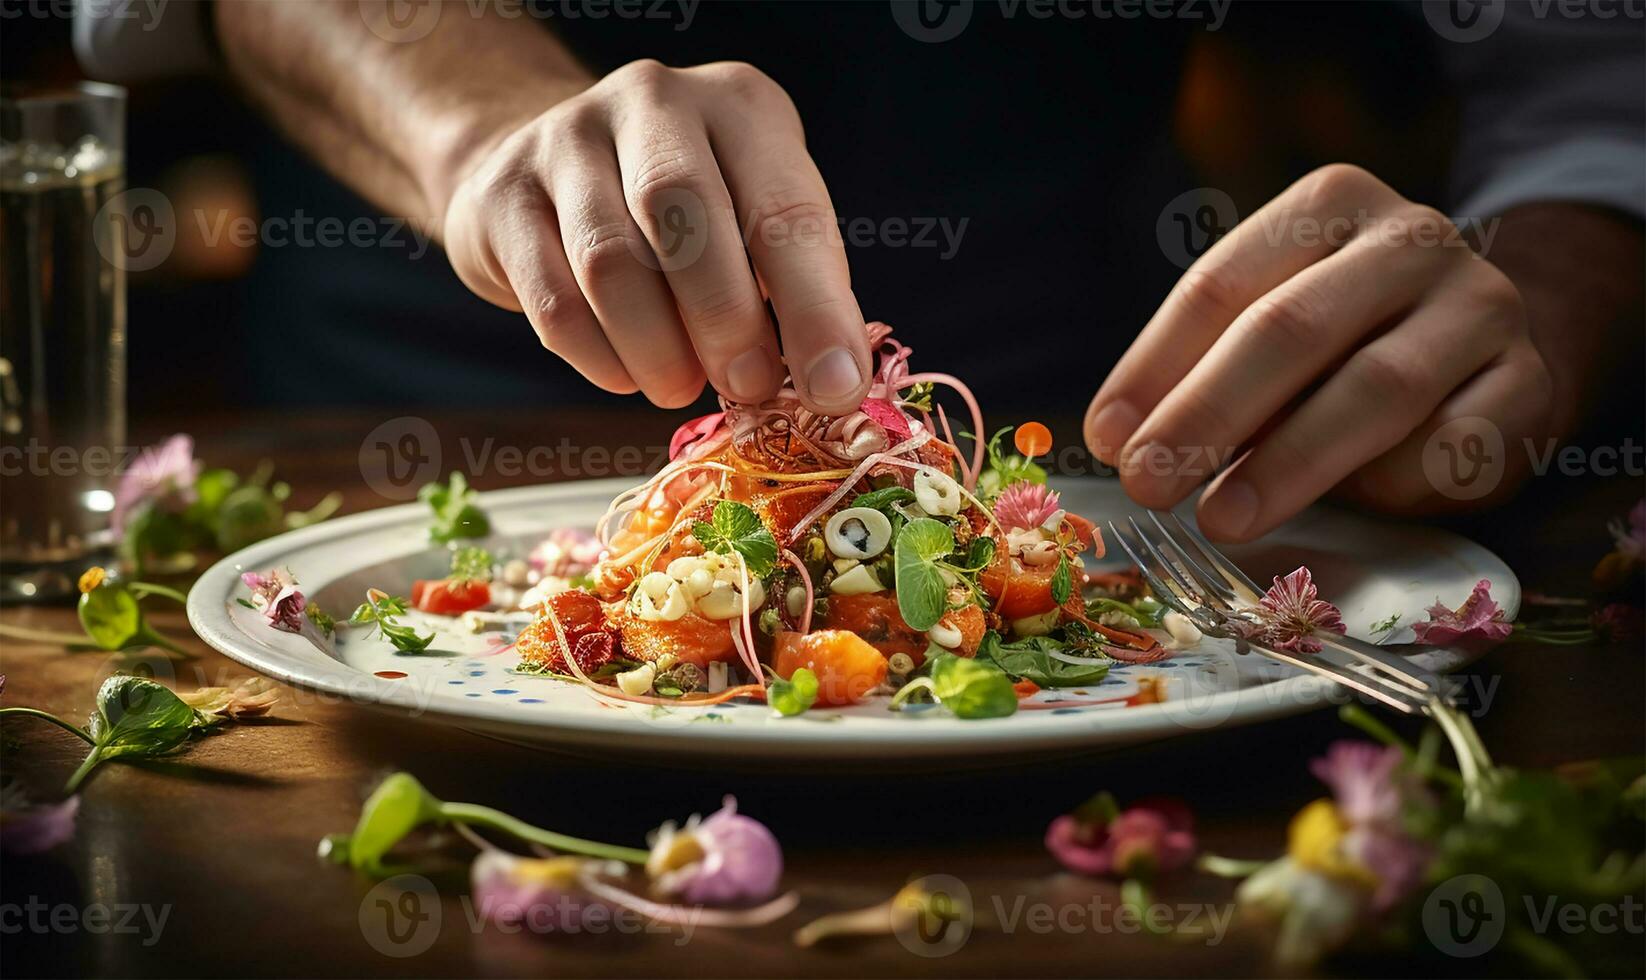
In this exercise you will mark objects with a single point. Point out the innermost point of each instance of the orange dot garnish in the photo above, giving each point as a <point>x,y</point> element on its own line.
<point>1032,439</point>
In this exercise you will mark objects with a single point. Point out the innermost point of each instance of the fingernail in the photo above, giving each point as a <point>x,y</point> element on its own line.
<point>750,375</point>
<point>1110,429</point>
<point>1229,510</point>
<point>834,375</point>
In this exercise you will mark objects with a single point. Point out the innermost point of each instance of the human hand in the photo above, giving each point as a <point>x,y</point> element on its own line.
<point>1322,359</point>
<point>583,218</point>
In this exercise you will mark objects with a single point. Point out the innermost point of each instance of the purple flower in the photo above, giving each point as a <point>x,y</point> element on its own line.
<point>726,859</point>
<point>1479,616</point>
<point>164,474</point>
<point>275,595</point>
<point>31,828</point>
<point>1100,840</point>
<point>1372,792</point>
<point>1290,612</point>
<point>546,894</point>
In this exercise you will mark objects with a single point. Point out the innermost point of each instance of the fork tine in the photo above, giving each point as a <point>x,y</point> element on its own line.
<point>1231,571</point>
<point>1214,583</point>
<point>1161,590</point>
<point>1194,590</point>
<point>1396,669</point>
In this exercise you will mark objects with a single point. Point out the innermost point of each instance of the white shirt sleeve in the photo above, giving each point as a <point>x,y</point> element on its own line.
<point>1553,105</point>
<point>137,40</point>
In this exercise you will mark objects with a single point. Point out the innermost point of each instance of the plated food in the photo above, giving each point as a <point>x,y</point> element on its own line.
<point>815,560</point>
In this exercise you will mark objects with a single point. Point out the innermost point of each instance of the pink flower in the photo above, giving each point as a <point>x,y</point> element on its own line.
<point>566,552</point>
<point>726,859</point>
<point>1631,543</point>
<point>1618,623</point>
<point>694,432</point>
<point>1025,505</point>
<point>275,595</point>
<point>1290,612</point>
<point>544,893</point>
<point>164,474</point>
<point>1372,792</point>
<point>1100,840</point>
<point>1479,616</point>
<point>27,828</point>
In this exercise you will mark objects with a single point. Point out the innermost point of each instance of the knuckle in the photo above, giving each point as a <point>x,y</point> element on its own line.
<point>603,254</point>
<point>1206,294</point>
<point>721,315</point>
<point>746,82</point>
<point>784,210</point>
<point>646,77</point>
<point>1288,320</point>
<point>666,172</point>
<point>1489,287</point>
<point>1389,377</point>
<point>1328,188</point>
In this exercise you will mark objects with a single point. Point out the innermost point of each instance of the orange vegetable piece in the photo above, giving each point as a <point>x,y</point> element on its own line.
<point>1033,439</point>
<point>874,617</point>
<point>692,638</point>
<point>847,667</point>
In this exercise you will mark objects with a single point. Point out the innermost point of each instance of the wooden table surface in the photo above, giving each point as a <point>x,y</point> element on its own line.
<point>221,840</point>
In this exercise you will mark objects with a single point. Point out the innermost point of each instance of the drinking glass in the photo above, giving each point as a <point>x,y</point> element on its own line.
<point>62,332</point>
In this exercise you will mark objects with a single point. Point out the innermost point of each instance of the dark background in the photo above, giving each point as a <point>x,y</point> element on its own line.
<point>1058,141</point>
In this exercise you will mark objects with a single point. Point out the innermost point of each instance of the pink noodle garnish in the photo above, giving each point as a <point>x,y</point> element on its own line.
<point>840,492</point>
<point>805,577</point>
<point>971,403</point>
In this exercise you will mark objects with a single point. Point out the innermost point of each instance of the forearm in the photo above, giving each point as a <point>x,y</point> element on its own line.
<point>399,122</point>
<point>1578,271</point>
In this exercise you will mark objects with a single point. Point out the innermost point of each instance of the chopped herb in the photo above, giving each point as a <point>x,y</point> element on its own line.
<point>736,527</point>
<point>1385,625</point>
<point>471,565</point>
<point>321,619</point>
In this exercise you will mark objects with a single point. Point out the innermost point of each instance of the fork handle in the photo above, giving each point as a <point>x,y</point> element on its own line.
<point>1382,658</point>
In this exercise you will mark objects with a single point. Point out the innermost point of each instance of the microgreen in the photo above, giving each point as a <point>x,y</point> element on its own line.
<point>922,595</point>
<point>735,527</point>
<point>1030,658</point>
<point>1147,611</point>
<point>1001,470</point>
<point>380,609</point>
<point>1385,625</point>
<point>456,514</point>
<point>793,696</point>
<point>471,565</point>
<point>321,619</point>
<point>968,688</point>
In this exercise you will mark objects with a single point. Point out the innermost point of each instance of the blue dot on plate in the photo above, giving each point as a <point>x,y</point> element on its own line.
<point>531,700</point>
<point>505,690</point>
<point>454,682</point>
<point>477,673</point>
<point>1065,711</point>
<point>472,694</point>
<point>1111,683</point>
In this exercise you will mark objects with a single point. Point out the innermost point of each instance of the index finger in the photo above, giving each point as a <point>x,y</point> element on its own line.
<point>784,209</point>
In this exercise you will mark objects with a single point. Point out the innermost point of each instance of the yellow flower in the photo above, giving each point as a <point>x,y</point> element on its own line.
<point>92,578</point>
<point>1315,841</point>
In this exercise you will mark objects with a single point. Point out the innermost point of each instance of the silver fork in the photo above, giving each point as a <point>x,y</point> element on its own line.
<point>1213,593</point>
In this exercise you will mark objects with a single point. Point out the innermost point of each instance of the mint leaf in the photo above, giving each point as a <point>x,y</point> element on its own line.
<point>922,595</point>
<point>736,527</point>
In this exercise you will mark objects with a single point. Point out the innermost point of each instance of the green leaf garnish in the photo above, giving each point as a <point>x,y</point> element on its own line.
<point>793,696</point>
<point>1001,471</point>
<point>736,527</point>
<point>1030,659</point>
<point>380,609</point>
<point>1385,625</point>
<point>456,514</point>
<point>922,595</point>
<point>1062,585</point>
<point>136,717</point>
<point>970,688</point>
<point>884,498</point>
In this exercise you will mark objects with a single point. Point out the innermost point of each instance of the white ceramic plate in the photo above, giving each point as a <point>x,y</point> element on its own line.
<point>1371,570</point>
